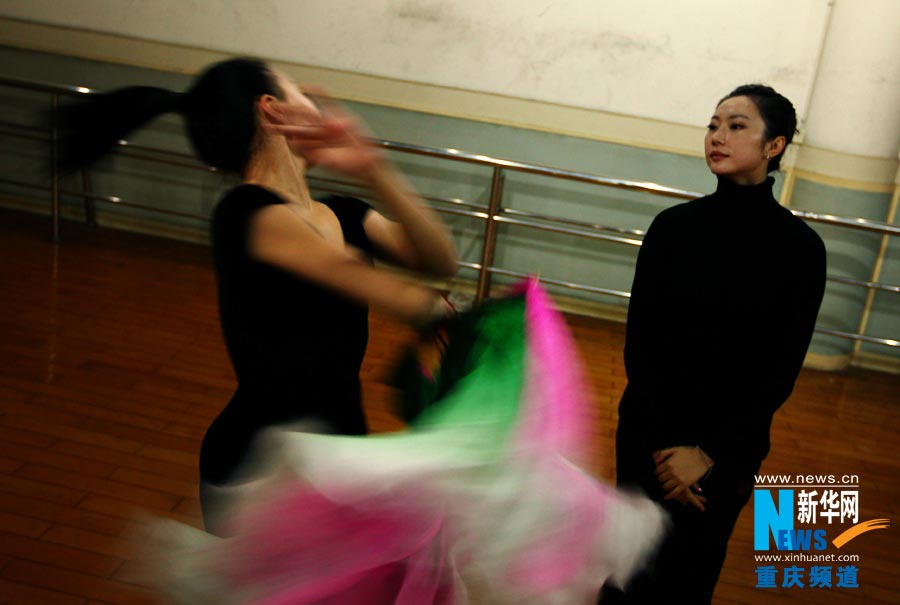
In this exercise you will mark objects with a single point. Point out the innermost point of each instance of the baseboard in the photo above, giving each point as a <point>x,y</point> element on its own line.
<point>827,363</point>
<point>144,226</point>
<point>877,362</point>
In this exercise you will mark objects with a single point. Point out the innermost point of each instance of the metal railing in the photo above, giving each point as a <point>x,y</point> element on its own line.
<point>493,215</point>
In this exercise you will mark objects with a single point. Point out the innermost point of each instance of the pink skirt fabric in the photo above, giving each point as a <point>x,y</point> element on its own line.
<point>485,492</point>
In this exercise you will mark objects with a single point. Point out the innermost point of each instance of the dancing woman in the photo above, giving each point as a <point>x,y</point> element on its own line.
<point>294,276</point>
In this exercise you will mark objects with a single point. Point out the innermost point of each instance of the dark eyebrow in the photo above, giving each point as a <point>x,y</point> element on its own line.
<point>733,116</point>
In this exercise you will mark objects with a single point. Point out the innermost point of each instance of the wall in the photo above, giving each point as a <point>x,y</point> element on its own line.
<point>618,89</point>
<point>610,56</point>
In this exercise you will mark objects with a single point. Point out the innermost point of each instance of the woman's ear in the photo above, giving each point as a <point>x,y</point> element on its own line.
<point>775,146</point>
<point>269,111</point>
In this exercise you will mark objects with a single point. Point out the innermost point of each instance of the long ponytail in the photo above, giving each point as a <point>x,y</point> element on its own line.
<point>219,111</point>
<point>92,125</point>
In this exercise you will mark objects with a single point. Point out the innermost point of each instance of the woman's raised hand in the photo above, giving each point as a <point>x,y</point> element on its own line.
<point>330,137</point>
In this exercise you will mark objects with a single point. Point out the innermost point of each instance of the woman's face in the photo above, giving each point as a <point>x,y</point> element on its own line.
<point>736,143</point>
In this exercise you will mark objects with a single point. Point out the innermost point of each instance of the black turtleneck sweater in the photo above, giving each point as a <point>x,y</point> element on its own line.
<point>724,302</point>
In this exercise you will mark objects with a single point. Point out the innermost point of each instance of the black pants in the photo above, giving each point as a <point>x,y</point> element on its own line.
<point>687,565</point>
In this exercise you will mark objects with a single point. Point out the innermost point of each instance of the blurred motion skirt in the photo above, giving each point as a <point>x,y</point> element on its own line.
<point>483,490</point>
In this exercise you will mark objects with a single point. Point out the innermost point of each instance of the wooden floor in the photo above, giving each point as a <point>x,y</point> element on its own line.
<point>112,366</point>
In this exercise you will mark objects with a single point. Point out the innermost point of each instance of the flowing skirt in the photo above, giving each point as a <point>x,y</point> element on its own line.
<point>481,499</point>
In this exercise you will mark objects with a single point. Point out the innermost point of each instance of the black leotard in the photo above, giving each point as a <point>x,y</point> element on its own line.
<point>296,348</point>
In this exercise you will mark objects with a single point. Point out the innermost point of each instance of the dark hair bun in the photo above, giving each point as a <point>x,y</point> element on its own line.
<point>776,110</point>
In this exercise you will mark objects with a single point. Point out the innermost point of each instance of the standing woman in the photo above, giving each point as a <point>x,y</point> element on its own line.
<point>294,275</point>
<point>724,302</point>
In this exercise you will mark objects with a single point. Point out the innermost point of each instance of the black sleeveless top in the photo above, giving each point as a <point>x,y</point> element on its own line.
<point>296,347</point>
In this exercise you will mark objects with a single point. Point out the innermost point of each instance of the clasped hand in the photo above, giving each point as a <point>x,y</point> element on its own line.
<point>679,470</point>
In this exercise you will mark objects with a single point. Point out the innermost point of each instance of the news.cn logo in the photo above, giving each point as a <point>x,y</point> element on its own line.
<point>803,519</point>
